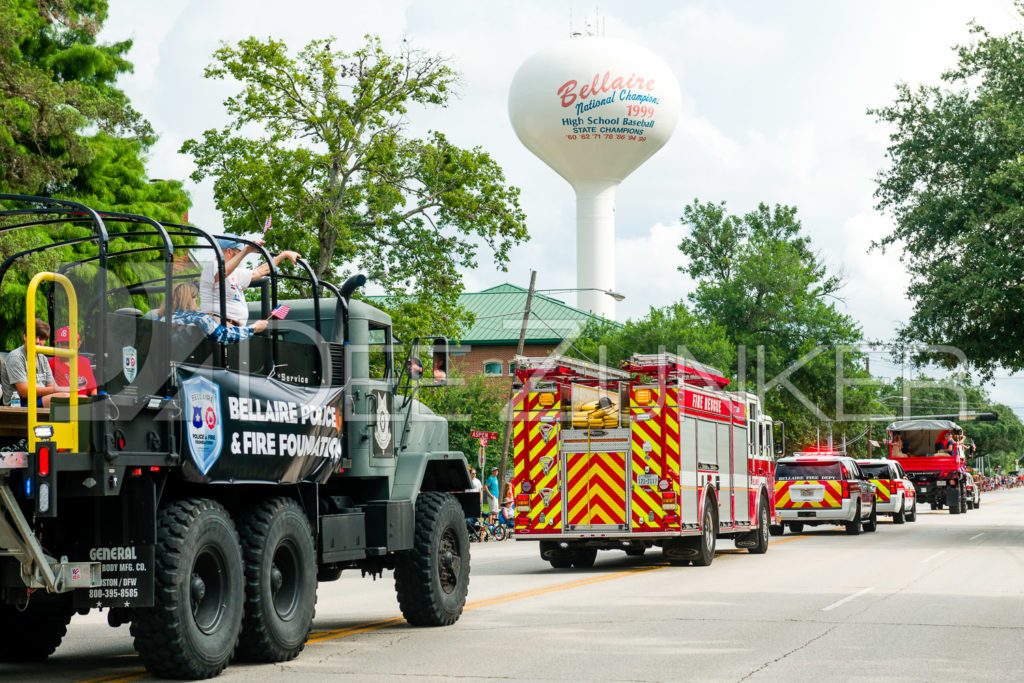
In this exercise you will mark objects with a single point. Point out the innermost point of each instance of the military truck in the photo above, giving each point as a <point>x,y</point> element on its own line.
<point>206,488</point>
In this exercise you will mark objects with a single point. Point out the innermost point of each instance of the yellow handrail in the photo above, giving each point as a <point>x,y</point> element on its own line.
<point>64,434</point>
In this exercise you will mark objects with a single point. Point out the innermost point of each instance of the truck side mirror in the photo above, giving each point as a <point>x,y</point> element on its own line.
<point>440,360</point>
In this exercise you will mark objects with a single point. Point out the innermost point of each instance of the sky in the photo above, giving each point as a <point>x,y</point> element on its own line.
<point>774,109</point>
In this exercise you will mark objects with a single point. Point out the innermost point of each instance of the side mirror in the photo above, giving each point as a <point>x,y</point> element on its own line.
<point>440,360</point>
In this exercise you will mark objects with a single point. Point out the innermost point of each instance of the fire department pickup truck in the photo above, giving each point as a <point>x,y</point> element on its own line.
<point>894,492</point>
<point>823,488</point>
<point>654,454</point>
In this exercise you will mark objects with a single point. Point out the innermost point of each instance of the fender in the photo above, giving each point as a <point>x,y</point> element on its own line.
<point>433,471</point>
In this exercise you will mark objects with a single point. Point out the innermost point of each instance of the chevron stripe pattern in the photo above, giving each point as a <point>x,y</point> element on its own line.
<point>833,497</point>
<point>535,438</point>
<point>883,490</point>
<point>596,484</point>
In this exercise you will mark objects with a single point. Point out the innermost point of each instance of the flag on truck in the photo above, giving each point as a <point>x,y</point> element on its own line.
<point>280,312</point>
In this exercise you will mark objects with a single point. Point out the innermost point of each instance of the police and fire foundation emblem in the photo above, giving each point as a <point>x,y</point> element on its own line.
<point>204,427</point>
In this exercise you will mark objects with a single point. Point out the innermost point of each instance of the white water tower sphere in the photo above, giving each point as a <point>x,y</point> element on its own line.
<point>594,109</point>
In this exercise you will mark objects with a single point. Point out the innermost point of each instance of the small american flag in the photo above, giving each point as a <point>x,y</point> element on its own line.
<point>266,226</point>
<point>280,312</point>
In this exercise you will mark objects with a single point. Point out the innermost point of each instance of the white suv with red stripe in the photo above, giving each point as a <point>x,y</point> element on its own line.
<point>894,493</point>
<point>823,488</point>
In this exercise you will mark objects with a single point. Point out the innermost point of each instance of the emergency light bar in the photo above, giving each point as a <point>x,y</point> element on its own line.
<point>678,366</point>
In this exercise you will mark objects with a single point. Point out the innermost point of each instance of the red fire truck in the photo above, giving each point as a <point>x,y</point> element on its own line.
<point>654,454</point>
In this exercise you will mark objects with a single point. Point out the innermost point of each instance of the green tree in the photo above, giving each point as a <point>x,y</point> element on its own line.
<point>672,329</point>
<point>66,131</point>
<point>319,142</point>
<point>955,188</point>
<point>759,281</point>
<point>475,402</point>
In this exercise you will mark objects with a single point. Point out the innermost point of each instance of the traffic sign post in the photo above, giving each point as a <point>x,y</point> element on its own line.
<point>483,437</point>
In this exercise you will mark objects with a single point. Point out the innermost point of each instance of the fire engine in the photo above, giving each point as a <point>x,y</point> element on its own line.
<point>653,454</point>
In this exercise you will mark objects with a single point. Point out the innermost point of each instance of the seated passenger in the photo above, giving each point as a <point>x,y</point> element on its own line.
<point>944,442</point>
<point>14,374</point>
<point>186,312</point>
<point>61,367</point>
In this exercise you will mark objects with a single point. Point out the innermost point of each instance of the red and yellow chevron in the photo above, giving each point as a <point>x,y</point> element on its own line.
<point>833,497</point>
<point>535,438</point>
<point>596,488</point>
<point>659,434</point>
<point>882,490</point>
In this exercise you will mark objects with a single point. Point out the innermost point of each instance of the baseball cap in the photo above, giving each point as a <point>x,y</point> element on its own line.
<point>227,243</point>
<point>494,469</point>
<point>64,334</point>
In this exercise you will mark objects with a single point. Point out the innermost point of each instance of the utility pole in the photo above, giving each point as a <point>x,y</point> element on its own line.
<point>867,366</point>
<point>511,390</point>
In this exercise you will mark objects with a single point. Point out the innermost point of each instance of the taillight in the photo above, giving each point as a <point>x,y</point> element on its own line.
<point>44,462</point>
<point>668,502</point>
<point>846,489</point>
<point>522,520</point>
<point>671,519</point>
<point>522,503</point>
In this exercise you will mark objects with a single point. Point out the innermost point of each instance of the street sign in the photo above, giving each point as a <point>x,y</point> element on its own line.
<point>483,442</point>
<point>478,434</point>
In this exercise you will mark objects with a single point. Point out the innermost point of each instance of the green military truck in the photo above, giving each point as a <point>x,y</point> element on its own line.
<point>206,488</point>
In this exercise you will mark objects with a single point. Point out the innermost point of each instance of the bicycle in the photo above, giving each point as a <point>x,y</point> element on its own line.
<point>483,530</point>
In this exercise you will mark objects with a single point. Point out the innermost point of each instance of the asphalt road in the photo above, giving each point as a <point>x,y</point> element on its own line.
<point>938,599</point>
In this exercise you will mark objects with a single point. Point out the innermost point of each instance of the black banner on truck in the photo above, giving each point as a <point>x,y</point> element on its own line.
<point>242,427</point>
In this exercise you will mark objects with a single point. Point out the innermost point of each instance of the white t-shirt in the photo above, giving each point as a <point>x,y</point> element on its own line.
<point>234,288</point>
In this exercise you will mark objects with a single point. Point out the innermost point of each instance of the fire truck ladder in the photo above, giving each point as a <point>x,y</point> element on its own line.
<point>676,366</point>
<point>562,368</point>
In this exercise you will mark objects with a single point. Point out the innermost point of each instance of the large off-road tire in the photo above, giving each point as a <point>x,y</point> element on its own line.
<point>761,546</point>
<point>872,522</point>
<point>583,558</point>
<point>705,543</point>
<point>432,578</point>
<point>280,581</point>
<point>796,527</point>
<point>32,635</point>
<point>901,516</point>
<point>853,528</point>
<point>192,629</point>
<point>912,512</point>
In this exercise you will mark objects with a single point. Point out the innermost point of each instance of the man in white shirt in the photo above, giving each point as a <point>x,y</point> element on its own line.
<point>236,280</point>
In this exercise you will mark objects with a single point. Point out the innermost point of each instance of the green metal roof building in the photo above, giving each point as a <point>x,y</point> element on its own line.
<point>491,342</point>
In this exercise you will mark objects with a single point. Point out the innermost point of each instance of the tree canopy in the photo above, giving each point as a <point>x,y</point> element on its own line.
<point>67,131</point>
<point>319,141</point>
<point>955,189</point>
<point>759,281</point>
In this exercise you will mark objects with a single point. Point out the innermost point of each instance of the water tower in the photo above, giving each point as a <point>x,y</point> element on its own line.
<point>594,109</point>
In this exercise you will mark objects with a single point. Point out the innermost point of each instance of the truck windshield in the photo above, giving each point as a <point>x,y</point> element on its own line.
<point>790,471</point>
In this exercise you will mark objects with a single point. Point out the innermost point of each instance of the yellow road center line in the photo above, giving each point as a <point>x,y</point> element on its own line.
<point>486,602</point>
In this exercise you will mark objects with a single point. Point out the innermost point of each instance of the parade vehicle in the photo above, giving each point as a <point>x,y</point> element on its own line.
<point>206,489</point>
<point>825,487</point>
<point>653,454</point>
<point>934,460</point>
<point>894,492</point>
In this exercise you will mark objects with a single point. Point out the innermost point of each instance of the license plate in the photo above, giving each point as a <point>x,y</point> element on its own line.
<point>807,492</point>
<point>807,513</point>
<point>647,480</point>
<point>940,483</point>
